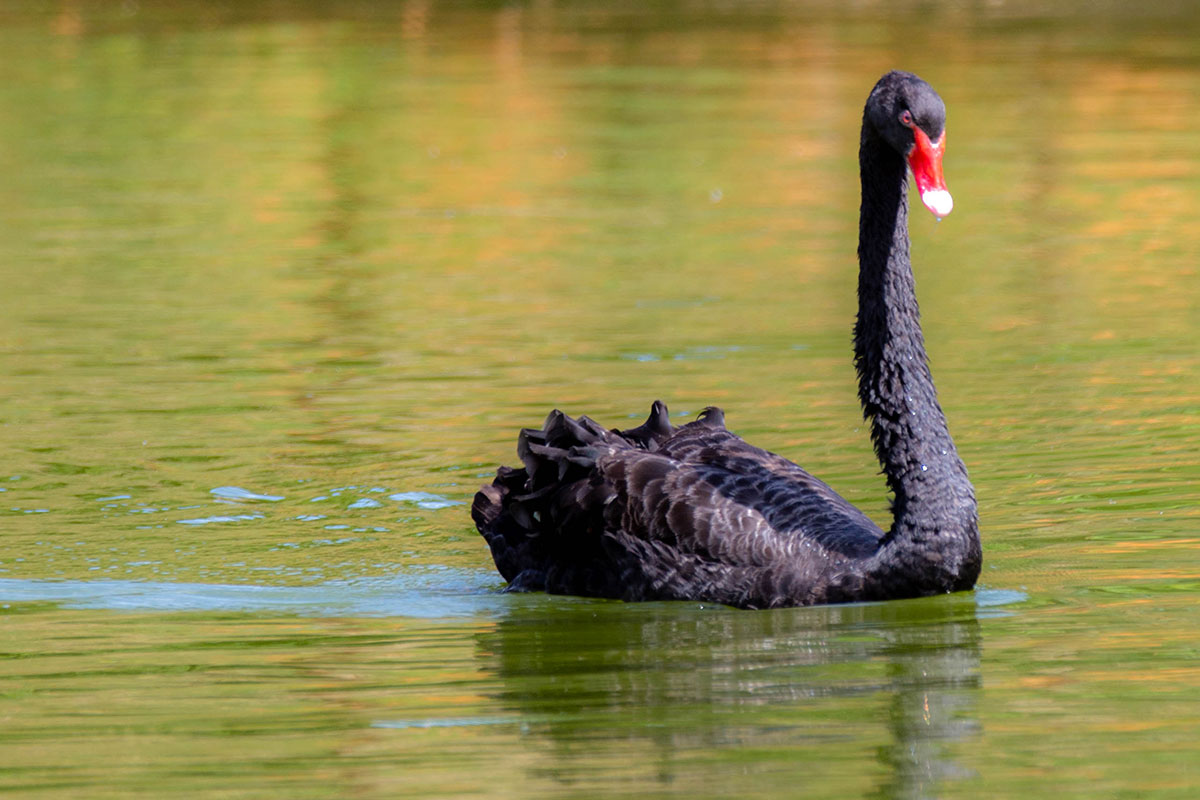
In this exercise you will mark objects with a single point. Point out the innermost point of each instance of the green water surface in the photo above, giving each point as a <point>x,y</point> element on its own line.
<point>279,283</point>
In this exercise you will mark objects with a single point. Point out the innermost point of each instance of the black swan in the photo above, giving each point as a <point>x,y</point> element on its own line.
<point>695,513</point>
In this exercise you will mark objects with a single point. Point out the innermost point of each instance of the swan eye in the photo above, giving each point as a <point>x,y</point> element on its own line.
<point>906,118</point>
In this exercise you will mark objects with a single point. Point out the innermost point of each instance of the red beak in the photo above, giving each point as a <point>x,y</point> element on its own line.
<point>925,161</point>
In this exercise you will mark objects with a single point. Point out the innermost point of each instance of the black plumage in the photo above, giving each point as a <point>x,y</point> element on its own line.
<point>695,513</point>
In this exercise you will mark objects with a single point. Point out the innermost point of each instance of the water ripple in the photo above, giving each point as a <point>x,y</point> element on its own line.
<point>217,519</point>
<point>432,593</point>
<point>426,500</point>
<point>237,493</point>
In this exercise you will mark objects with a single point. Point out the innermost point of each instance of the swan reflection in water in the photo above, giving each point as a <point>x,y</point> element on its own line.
<point>870,696</point>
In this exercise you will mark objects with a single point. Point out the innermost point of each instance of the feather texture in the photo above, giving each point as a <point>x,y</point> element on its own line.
<point>696,513</point>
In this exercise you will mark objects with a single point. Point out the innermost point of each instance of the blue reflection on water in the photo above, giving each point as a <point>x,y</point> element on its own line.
<point>438,722</point>
<point>430,593</point>
<point>238,494</point>
<point>426,500</point>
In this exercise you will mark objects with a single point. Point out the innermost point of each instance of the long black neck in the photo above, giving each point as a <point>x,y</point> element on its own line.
<point>931,491</point>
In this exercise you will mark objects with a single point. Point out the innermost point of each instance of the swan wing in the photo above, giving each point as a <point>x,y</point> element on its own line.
<point>657,512</point>
<point>707,492</point>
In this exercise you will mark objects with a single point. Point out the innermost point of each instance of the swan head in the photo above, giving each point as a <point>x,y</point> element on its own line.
<point>910,116</point>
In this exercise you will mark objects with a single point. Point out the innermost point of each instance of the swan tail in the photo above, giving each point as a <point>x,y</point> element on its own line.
<point>656,429</point>
<point>544,521</point>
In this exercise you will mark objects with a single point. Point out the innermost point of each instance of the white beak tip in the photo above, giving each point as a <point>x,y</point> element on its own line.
<point>938,201</point>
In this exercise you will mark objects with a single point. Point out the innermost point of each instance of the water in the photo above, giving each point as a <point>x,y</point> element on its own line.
<point>281,283</point>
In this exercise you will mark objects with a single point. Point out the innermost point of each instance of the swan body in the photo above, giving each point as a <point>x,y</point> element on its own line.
<point>695,513</point>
